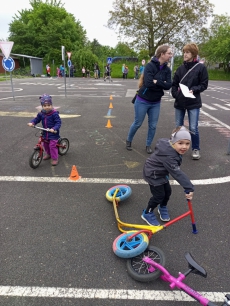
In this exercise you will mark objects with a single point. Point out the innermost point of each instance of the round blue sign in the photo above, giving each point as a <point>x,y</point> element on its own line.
<point>69,63</point>
<point>8,64</point>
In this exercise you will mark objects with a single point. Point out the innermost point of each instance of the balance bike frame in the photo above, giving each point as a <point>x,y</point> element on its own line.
<point>151,229</point>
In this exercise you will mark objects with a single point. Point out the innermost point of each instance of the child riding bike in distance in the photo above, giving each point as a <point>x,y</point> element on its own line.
<point>50,120</point>
<point>165,160</point>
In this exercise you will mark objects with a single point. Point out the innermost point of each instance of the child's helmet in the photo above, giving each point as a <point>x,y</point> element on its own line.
<point>45,99</point>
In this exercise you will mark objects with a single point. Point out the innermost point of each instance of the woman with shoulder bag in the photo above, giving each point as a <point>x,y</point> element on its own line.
<point>195,76</point>
<point>156,79</point>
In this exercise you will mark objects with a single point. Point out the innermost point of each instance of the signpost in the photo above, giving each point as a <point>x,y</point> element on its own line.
<point>69,63</point>
<point>63,58</point>
<point>109,60</point>
<point>7,62</point>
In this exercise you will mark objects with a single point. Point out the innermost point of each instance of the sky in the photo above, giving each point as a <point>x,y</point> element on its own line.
<point>93,15</point>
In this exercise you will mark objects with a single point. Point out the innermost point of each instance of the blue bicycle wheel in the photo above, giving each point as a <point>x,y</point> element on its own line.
<point>124,192</point>
<point>124,248</point>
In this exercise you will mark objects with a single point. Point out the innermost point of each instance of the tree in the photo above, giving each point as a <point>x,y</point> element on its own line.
<point>217,46</point>
<point>43,29</point>
<point>146,24</point>
<point>123,49</point>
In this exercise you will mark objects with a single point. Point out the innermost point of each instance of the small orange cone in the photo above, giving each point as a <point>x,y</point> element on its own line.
<point>110,105</point>
<point>74,176</point>
<point>108,124</point>
<point>111,98</point>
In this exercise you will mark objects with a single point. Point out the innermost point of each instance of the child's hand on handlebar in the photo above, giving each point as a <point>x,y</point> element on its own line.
<point>189,195</point>
<point>30,124</point>
<point>52,131</point>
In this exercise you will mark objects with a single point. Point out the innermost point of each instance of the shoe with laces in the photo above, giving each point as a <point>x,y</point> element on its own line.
<point>46,157</point>
<point>163,212</point>
<point>195,154</point>
<point>150,218</point>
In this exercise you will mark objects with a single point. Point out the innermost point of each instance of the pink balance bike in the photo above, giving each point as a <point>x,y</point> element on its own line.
<point>140,269</point>
<point>37,156</point>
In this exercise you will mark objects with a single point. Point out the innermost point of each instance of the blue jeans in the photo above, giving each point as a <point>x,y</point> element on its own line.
<point>141,109</point>
<point>193,118</point>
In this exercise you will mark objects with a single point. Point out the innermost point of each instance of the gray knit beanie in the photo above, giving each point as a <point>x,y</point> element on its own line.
<point>183,133</point>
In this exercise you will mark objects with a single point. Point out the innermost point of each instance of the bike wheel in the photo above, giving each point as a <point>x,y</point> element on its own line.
<point>124,192</point>
<point>63,146</point>
<point>35,159</point>
<point>127,249</point>
<point>139,270</point>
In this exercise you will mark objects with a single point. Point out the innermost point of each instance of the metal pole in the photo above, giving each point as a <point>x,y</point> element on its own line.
<point>65,78</point>
<point>12,85</point>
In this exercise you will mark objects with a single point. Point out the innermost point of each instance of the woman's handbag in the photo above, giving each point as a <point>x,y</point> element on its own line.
<point>134,98</point>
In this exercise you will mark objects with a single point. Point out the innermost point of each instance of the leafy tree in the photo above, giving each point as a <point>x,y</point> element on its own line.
<point>84,57</point>
<point>146,24</point>
<point>217,45</point>
<point>43,29</point>
<point>123,49</point>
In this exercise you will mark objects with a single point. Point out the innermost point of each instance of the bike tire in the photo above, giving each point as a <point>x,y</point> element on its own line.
<point>127,249</point>
<point>64,142</point>
<point>124,193</point>
<point>138,269</point>
<point>35,159</point>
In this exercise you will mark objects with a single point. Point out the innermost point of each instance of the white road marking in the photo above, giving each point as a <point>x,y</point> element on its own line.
<point>4,89</point>
<point>220,106</point>
<point>111,294</point>
<point>208,106</point>
<point>130,93</point>
<point>211,181</point>
<point>215,119</point>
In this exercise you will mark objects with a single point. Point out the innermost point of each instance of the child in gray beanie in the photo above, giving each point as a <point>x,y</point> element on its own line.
<point>166,159</point>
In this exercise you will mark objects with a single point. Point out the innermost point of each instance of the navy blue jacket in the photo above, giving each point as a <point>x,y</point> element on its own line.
<point>49,120</point>
<point>196,80</point>
<point>150,91</point>
<point>164,161</point>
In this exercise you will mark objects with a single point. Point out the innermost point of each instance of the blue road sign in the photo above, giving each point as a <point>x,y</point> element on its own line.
<point>69,63</point>
<point>109,60</point>
<point>8,64</point>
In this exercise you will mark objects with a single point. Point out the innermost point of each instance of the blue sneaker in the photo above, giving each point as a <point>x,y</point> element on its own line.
<point>150,218</point>
<point>163,212</point>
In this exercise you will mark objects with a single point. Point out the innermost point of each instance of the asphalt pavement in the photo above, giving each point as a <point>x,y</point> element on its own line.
<point>56,235</point>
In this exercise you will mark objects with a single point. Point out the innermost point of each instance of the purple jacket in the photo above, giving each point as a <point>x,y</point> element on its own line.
<point>49,120</point>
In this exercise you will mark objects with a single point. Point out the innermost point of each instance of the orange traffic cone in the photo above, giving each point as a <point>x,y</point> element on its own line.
<point>110,105</point>
<point>108,124</point>
<point>111,98</point>
<point>74,176</point>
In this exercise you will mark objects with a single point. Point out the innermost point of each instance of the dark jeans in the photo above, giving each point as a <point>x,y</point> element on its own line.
<point>161,195</point>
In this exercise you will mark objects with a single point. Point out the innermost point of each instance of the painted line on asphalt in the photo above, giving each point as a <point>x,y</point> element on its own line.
<point>111,294</point>
<point>215,119</point>
<point>212,181</point>
<point>29,115</point>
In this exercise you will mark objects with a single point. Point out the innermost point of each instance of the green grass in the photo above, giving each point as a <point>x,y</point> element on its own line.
<point>218,75</point>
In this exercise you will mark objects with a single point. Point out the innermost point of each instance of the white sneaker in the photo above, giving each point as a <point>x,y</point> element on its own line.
<point>195,154</point>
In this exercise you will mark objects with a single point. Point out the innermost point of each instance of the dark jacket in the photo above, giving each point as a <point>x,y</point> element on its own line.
<point>49,120</point>
<point>196,80</point>
<point>164,161</point>
<point>150,91</point>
